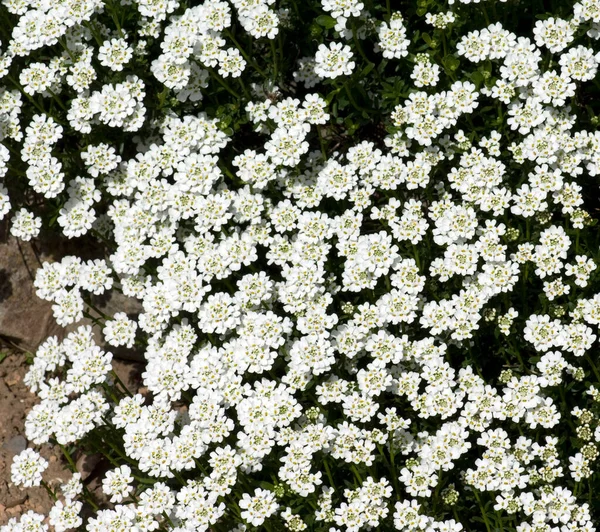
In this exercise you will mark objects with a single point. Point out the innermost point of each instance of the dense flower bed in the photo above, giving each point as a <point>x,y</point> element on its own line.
<point>364,239</point>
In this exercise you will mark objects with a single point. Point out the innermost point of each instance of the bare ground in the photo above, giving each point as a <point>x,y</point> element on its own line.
<point>15,402</point>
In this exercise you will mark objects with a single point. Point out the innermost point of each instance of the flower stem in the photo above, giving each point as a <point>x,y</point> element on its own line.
<point>50,491</point>
<point>483,513</point>
<point>245,55</point>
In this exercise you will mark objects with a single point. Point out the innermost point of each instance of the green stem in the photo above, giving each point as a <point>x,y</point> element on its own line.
<point>391,466</point>
<point>68,457</point>
<point>416,256</point>
<point>109,391</point>
<point>485,15</point>
<point>436,493</point>
<point>120,382</point>
<point>179,478</point>
<point>444,46</point>
<point>119,452</point>
<point>86,493</point>
<point>322,142</point>
<point>356,473</point>
<point>166,516</point>
<point>275,62</point>
<point>223,84</point>
<point>329,475</point>
<point>244,89</point>
<point>95,33</point>
<point>245,55</point>
<point>111,10</point>
<point>63,43</point>
<point>353,101</point>
<point>483,512</point>
<point>594,368</point>
<point>50,491</point>
<point>97,310</point>
<point>28,96</point>
<point>360,48</point>
<point>515,352</point>
<point>455,514</point>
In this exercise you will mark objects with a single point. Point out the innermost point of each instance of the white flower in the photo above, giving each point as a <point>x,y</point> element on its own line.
<point>65,516</point>
<point>231,63</point>
<point>392,38</point>
<point>100,159</point>
<point>27,468</point>
<point>343,8</point>
<point>554,33</point>
<point>117,483</point>
<point>25,225</point>
<point>114,54</point>
<point>120,330</point>
<point>258,507</point>
<point>334,60</point>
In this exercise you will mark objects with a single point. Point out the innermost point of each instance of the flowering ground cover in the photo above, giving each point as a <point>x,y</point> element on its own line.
<point>364,239</point>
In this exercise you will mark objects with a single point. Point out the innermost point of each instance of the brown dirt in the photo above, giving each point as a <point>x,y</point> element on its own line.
<point>15,402</point>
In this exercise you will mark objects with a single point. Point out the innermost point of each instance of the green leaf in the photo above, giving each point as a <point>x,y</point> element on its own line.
<point>477,78</point>
<point>367,69</point>
<point>451,62</point>
<point>427,38</point>
<point>330,96</point>
<point>3,355</point>
<point>326,21</point>
<point>315,30</point>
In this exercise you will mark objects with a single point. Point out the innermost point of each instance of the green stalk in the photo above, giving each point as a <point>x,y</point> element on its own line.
<point>120,382</point>
<point>392,460</point>
<point>594,368</point>
<point>223,83</point>
<point>275,62</point>
<point>329,475</point>
<point>86,493</point>
<point>321,142</point>
<point>360,48</point>
<point>356,473</point>
<point>353,101</point>
<point>50,491</point>
<point>245,55</point>
<point>28,96</point>
<point>483,513</point>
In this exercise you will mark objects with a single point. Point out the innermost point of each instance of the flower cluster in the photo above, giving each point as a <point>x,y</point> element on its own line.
<point>364,250</point>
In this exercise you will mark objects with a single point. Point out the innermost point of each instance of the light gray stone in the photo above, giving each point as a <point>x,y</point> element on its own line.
<point>15,445</point>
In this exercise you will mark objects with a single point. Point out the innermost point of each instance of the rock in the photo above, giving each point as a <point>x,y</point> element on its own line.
<point>14,498</point>
<point>111,303</point>
<point>86,464</point>
<point>15,445</point>
<point>25,319</point>
<point>14,511</point>
<point>13,379</point>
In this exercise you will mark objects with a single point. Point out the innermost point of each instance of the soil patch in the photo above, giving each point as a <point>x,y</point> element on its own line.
<point>15,401</point>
